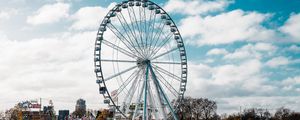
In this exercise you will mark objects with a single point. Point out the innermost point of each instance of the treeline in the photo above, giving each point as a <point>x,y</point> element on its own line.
<point>205,109</point>
<point>260,114</point>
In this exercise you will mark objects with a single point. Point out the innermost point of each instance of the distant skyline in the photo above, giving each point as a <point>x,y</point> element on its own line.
<point>240,53</point>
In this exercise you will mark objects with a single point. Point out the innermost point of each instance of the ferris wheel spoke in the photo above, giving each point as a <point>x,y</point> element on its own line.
<point>120,73</point>
<point>167,73</point>
<point>138,99</point>
<point>131,92</point>
<point>167,52</point>
<point>124,26</point>
<point>158,34</point>
<point>138,27</point>
<point>176,63</point>
<point>125,61</point>
<point>145,27</point>
<point>163,39</point>
<point>151,34</point>
<point>163,43</point>
<point>132,31</point>
<point>150,22</point>
<point>167,84</point>
<point>118,34</point>
<point>133,23</point>
<point>131,38</point>
<point>130,54</point>
<point>127,81</point>
<point>160,31</point>
<point>141,27</point>
<point>148,38</point>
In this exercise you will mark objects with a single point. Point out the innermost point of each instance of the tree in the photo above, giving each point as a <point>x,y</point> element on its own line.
<point>79,113</point>
<point>2,115</point>
<point>104,114</point>
<point>197,108</point>
<point>294,116</point>
<point>282,114</point>
<point>286,114</point>
<point>14,113</point>
<point>250,114</point>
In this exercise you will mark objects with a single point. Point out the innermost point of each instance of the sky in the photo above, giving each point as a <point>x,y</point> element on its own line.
<point>240,53</point>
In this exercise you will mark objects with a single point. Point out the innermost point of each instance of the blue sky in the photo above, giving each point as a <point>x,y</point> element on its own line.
<point>241,53</point>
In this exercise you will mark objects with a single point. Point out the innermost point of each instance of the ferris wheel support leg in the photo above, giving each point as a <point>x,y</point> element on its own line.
<point>145,116</point>
<point>164,95</point>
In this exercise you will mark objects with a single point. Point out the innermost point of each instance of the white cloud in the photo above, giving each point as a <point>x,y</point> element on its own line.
<point>292,26</point>
<point>3,37</point>
<point>292,81</point>
<point>217,51</point>
<point>89,17</point>
<point>50,13</point>
<point>252,51</point>
<point>7,13</point>
<point>227,74</point>
<point>242,85</point>
<point>294,48</point>
<point>225,28</point>
<point>228,80</point>
<point>58,68</point>
<point>194,7</point>
<point>267,47</point>
<point>278,61</point>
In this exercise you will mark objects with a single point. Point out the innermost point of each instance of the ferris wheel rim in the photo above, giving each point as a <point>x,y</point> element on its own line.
<point>99,74</point>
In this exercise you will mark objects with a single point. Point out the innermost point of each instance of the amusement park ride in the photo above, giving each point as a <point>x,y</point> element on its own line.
<point>140,61</point>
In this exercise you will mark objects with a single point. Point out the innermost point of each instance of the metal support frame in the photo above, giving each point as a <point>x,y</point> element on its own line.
<point>145,116</point>
<point>161,90</point>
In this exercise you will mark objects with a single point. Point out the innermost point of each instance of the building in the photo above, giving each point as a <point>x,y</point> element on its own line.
<point>63,114</point>
<point>80,105</point>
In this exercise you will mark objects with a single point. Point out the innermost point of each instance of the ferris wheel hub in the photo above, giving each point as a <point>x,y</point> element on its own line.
<point>142,62</point>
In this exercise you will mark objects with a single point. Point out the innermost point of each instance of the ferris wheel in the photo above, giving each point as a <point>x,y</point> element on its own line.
<point>140,61</point>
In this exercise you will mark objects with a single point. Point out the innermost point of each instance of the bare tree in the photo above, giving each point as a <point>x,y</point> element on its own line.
<point>12,114</point>
<point>198,109</point>
<point>282,113</point>
<point>2,115</point>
